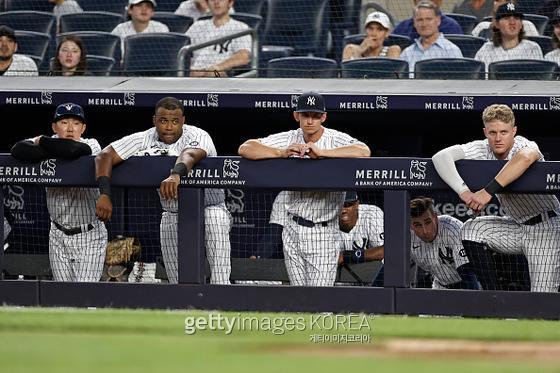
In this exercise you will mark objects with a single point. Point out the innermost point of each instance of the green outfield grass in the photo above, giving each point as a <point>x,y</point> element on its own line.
<point>60,340</point>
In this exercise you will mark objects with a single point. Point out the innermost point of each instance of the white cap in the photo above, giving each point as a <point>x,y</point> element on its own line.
<point>134,2</point>
<point>380,18</point>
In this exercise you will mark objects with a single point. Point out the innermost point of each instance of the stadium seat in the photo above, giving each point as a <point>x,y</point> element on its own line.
<point>449,68</point>
<point>375,68</point>
<point>392,39</point>
<point>302,67</point>
<point>270,52</point>
<point>305,30</point>
<point>468,44</point>
<point>539,21</point>
<point>466,22</point>
<point>99,65</point>
<point>248,6</point>
<point>89,21</point>
<point>33,44</point>
<point>523,70</point>
<point>175,22</point>
<point>153,54</point>
<point>113,6</point>
<point>167,5</point>
<point>29,21</point>
<point>36,5</point>
<point>545,42</point>
<point>98,43</point>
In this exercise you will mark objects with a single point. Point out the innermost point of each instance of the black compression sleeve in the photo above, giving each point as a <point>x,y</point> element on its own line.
<point>27,151</point>
<point>64,148</point>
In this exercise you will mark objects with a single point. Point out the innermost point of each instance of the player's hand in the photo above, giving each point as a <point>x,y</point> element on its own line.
<point>466,196</point>
<point>340,259</point>
<point>313,151</point>
<point>295,150</point>
<point>168,187</point>
<point>104,208</point>
<point>479,200</point>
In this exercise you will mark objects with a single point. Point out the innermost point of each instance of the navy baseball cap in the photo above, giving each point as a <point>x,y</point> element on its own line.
<point>69,110</point>
<point>555,16</point>
<point>506,10</point>
<point>351,196</point>
<point>310,102</point>
<point>8,32</point>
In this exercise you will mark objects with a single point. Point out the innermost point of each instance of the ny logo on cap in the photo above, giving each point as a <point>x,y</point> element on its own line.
<point>311,101</point>
<point>68,106</point>
<point>511,7</point>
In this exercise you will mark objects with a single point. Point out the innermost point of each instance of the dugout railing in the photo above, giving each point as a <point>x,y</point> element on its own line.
<point>395,176</point>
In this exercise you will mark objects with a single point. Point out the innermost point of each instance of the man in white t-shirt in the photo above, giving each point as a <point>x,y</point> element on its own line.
<point>12,64</point>
<point>141,13</point>
<point>218,59</point>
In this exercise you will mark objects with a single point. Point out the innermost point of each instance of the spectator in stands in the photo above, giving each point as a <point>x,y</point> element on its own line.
<point>141,13</point>
<point>508,41</point>
<point>476,8</point>
<point>220,58</point>
<point>431,43</point>
<point>554,56</point>
<point>447,25</point>
<point>70,57</point>
<point>12,64</point>
<point>195,9</point>
<point>484,27</point>
<point>378,28</point>
<point>65,7</point>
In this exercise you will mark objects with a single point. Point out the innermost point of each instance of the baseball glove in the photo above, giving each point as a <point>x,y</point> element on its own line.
<point>122,250</point>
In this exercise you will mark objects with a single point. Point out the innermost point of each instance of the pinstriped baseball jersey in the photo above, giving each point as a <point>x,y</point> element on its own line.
<point>368,231</point>
<point>312,205</point>
<point>444,254</point>
<point>21,66</point>
<point>520,207</point>
<point>278,212</point>
<point>147,143</point>
<point>72,207</point>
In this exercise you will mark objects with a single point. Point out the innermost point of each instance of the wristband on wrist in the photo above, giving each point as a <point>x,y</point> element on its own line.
<point>179,169</point>
<point>493,187</point>
<point>104,184</point>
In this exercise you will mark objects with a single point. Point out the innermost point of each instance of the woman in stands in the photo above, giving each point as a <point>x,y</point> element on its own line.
<point>508,39</point>
<point>378,28</point>
<point>554,56</point>
<point>70,58</point>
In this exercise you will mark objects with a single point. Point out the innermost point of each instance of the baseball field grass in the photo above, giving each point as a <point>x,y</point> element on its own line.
<point>104,340</point>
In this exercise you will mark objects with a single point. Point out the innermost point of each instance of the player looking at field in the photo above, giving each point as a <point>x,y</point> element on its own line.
<point>530,226</point>
<point>310,236</point>
<point>170,136</point>
<point>77,239</point>
<point>435,246</point>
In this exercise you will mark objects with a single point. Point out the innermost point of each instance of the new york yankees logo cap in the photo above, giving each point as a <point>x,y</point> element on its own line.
<point>555,16</point>
<point>69,110</point>
<point>310,102</point>
<point>506,10</point>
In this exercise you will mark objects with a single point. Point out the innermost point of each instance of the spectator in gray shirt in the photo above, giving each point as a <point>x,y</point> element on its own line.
<point>65,7</point>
